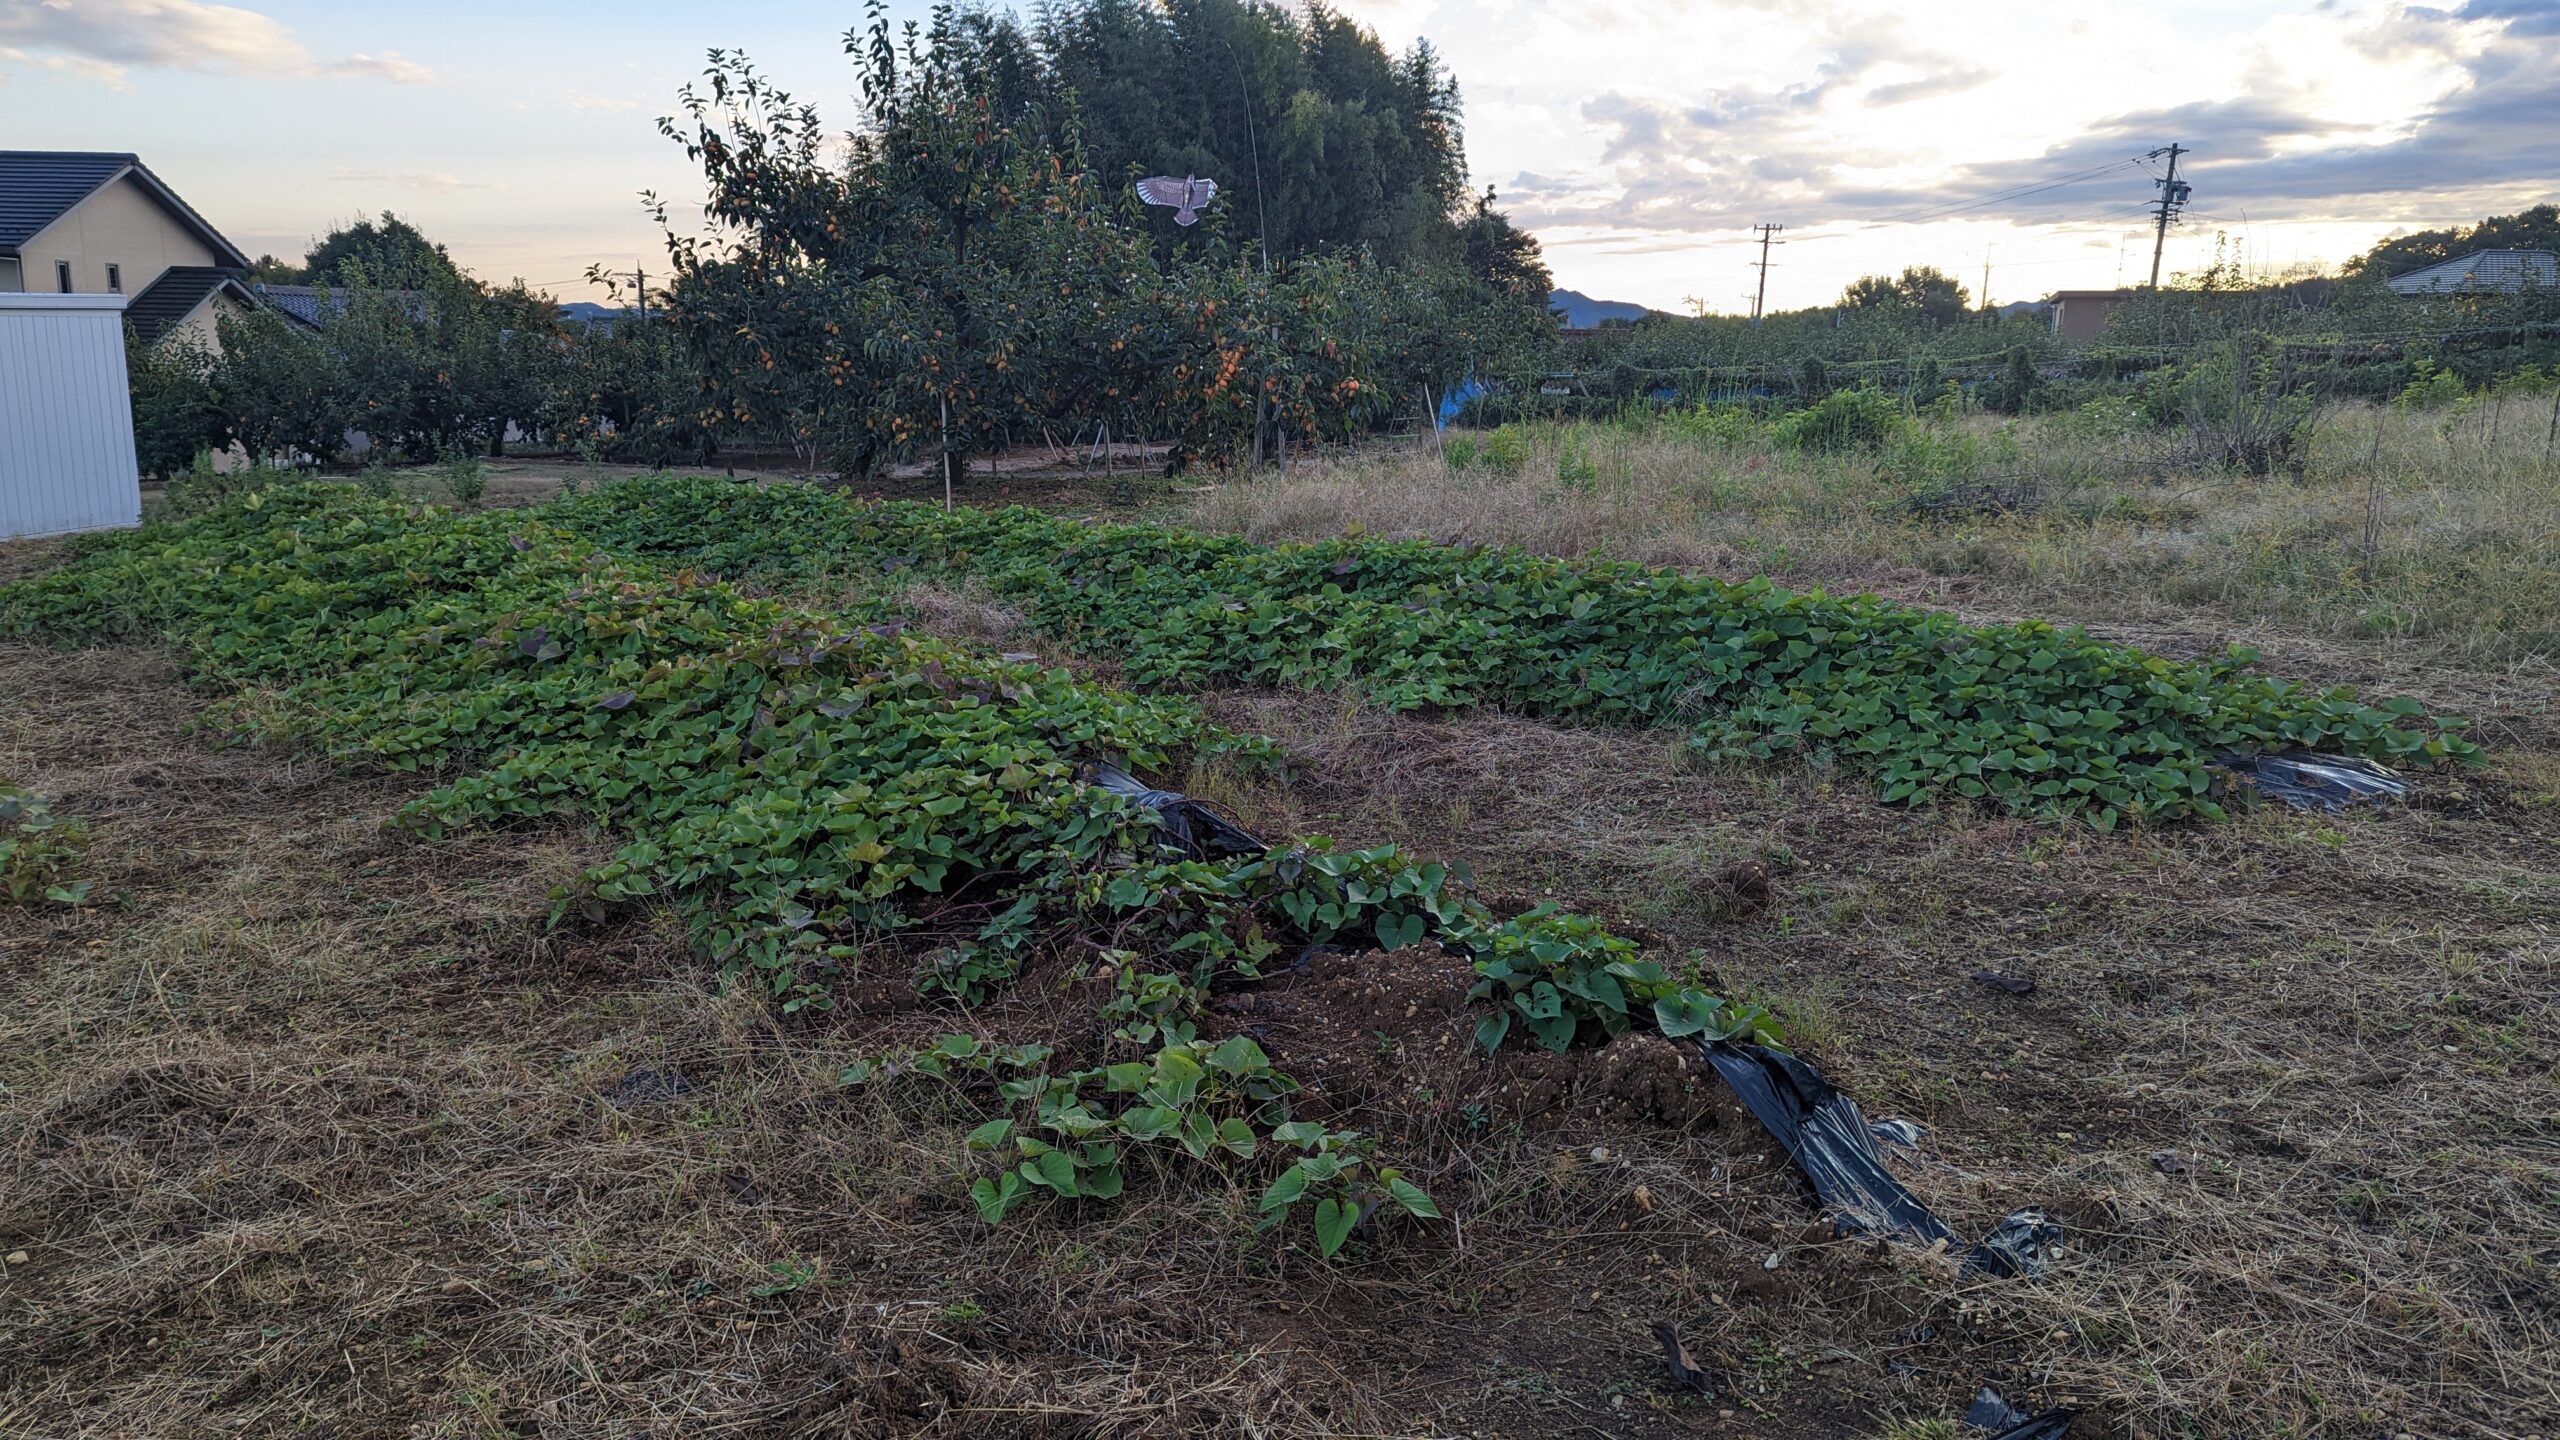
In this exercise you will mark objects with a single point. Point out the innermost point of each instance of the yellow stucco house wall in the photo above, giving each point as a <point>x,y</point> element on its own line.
<point>123,226</point>
<point>97,222</point>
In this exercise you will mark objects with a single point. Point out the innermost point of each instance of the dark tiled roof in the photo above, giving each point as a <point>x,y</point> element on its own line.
<point>306,303</point>
<point>314,305</point>
<point>176,294</point>
<point>37,186</point>
<point>2506,271</point>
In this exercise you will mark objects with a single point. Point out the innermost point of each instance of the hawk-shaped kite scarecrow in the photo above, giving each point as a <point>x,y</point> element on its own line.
<point>1187,195</point>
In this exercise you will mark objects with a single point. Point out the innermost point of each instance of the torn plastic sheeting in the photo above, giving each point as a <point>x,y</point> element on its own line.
<point>2307,781</point>
<point>1827,1137</point>
<point>1184,824</point>
<point>1904,1133</point>
<point>1831,1142</point>
<point>1992,1411</point>
<point>2021,1244</point>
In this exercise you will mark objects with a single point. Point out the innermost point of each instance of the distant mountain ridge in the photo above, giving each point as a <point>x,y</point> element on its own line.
<point>1581,312</point>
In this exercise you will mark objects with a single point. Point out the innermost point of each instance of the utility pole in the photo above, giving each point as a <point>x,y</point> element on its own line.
<point>1986,278</point>
<point>1761,297</point>
<point>640,279</point>
<point>2173,198</point>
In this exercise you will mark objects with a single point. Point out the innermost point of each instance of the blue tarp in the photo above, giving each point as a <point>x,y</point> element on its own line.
<point>1456,400</point>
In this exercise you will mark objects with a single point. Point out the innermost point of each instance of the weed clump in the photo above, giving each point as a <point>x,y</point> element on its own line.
<point>40,852</point>
<point>1844,420</point>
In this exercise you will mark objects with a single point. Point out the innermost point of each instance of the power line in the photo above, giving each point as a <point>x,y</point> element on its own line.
<point>2007,196</point>
<point>1926,213</point>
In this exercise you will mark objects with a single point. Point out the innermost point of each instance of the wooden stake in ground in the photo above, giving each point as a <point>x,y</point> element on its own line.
<point>1428,418</point>
<point>946,454</point>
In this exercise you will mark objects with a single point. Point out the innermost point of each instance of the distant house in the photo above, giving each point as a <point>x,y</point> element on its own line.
<point>310,304</point>
<point>2482,272</point>
<point>2079,315</point>
<point>86,222</point>
<point>188,300</point>
<point>314,306</point>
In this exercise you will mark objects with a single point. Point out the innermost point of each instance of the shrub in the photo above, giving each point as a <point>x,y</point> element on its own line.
<point>1938,455</point>
<point>2014,393</point>
<point>1844,420</point>
<point>1724,426</point>
<point>1503,450</point>
<point>2240,407</point>
<point>175,414</point>
<point>2433,389</point>
<point>2108,417</point>
<point>464,476</point>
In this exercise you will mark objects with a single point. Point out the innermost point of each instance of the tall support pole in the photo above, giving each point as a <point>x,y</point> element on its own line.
<point>2171,198</point>
<point>1760,296</point>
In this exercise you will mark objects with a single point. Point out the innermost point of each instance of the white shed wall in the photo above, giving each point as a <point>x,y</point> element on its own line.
<point>66,417</point>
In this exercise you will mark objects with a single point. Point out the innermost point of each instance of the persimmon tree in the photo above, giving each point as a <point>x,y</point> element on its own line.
<point>960,277</point>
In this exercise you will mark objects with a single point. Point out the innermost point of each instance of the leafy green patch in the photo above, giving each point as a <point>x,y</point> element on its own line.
<point>2039,720</point>
<point>1071,1135</point>
<point>40,853</point>
<point>811,795</point>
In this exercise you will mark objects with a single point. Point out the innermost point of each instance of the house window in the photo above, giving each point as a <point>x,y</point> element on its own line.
<point>62,275</point>
<point>115,278</point>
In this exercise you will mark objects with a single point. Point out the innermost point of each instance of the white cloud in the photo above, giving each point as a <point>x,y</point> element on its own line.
<point>436,180</point>
<point>98,70</point>
<point>102,39</point>
<point>586,102</point>
<point>171,34</point>
<point>389,65</point>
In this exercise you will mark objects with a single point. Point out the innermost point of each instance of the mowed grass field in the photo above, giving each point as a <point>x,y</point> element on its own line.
<point>315,1128</point>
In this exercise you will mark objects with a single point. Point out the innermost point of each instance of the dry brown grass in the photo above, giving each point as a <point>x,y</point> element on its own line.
<point>2447,548</point>
<point>2340,1029</point>
<point>314,1128</point>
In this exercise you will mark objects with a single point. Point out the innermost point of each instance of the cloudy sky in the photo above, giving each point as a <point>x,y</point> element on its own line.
<point>1639,140</point>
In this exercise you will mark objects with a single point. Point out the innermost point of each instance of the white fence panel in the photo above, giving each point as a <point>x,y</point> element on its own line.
<point>66,417</point>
